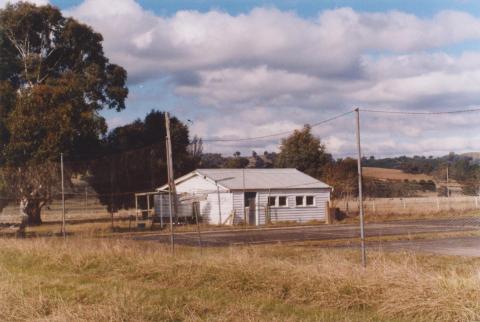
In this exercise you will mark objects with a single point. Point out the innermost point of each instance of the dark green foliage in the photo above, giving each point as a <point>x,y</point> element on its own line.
<point>236,162</point>
<point>305,152</point>
<point>47,48</point>
<point>60,78</point>
<point>216,160</point>
<point>428,185</point>
<point>442,191</point>
<point>9,66</point>
<point>134,159</point>
<point>212,160</point>
<point>376,188</point>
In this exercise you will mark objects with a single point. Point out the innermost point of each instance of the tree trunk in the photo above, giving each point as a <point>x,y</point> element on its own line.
<point>32,209</point>
<point>34,215</point>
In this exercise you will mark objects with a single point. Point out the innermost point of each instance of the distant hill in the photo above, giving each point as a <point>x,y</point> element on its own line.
<point>463,171</point>
<point>474,155</point>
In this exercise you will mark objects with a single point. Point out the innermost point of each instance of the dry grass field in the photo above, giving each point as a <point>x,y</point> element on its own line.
<point>117,280</point>
<point>393,174</point>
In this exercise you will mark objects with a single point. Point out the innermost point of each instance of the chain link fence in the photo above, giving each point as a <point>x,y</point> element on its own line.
<point>119,193</point>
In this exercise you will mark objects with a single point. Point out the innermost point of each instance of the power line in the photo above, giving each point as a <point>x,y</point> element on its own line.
<point>341,115</point>
<point>276,134</point>
<point>420,113</point>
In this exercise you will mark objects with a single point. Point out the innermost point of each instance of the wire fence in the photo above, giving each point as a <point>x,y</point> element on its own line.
<point>412,206</point>
<point>120,190</point>
<point>90,206</point>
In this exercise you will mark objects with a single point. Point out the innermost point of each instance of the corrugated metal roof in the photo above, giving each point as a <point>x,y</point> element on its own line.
<point>262,178</point>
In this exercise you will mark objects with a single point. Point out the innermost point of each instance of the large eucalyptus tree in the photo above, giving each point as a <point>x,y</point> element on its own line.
<point>54,81</point>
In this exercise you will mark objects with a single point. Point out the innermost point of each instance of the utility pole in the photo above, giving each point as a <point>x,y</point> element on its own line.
<point>171,182</point>
<point>360,190</point>
<point>63,198</point>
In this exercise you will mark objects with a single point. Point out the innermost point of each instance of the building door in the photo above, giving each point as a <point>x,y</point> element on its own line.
<point>251,207</point>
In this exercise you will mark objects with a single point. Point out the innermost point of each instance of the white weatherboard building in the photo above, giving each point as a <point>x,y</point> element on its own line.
<point>257,196</point>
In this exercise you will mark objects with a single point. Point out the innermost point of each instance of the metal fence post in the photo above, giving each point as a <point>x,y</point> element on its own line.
<point>195,211</point>
<point>171,181</point>
<point>360,192</point>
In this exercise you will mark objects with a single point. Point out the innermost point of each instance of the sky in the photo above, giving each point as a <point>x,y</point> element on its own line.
<point>236,69</point>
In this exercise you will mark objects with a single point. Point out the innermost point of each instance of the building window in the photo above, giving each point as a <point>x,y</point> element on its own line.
<point>309,201</point>
<point>272,201</point>
<point>304,201</point>
<point>277,201</point>
<point>299,200</point>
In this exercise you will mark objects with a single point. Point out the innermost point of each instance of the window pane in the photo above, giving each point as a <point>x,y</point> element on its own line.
<point>309,200</point>
<point>271,201</point>
<point>299,200</point>
<point>282,201</point>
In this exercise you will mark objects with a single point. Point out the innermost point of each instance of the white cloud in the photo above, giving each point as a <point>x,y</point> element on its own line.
<point>266,71</point>
<point>330,45</point>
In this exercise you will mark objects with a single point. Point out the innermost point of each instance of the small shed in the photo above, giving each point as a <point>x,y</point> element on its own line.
<point>253,196</point>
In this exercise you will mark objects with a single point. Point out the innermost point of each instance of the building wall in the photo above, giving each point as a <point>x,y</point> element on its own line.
<point>232,203</point>
<point>197,185</point>
<point>289,213</point>
<point>238,207</point>
<point>210,211</point>
<point>206,191</point>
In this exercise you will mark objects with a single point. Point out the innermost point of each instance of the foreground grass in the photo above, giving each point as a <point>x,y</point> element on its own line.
<point>100,280</point>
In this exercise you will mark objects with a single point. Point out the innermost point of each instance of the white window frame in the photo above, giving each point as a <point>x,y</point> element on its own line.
<point>277,201</point>
<point>314,201</point>
<point>304,201</point>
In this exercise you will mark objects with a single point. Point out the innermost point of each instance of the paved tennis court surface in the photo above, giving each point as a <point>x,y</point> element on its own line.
<point>335,232</point>
<point>460,246</point>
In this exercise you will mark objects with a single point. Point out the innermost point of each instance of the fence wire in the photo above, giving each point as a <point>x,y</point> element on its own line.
<point>119,189</point>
